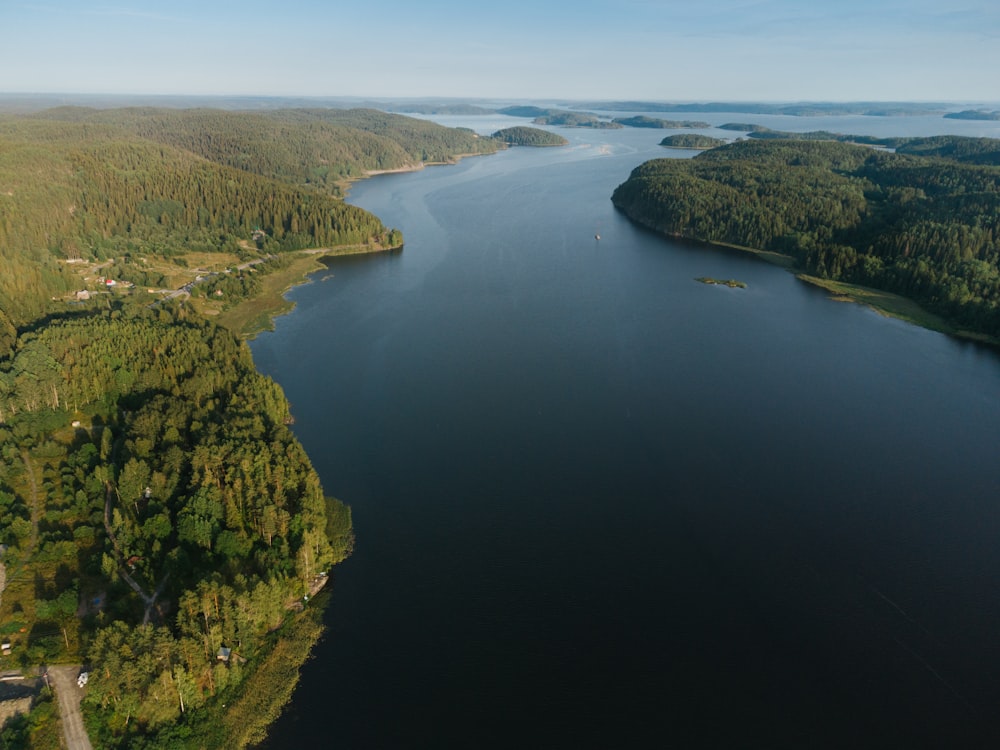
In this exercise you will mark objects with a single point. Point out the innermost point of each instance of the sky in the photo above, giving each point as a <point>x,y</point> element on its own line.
<point>653,50</point>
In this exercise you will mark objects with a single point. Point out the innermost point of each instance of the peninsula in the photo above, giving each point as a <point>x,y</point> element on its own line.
<point>880,227</point>
<point>161,523</point>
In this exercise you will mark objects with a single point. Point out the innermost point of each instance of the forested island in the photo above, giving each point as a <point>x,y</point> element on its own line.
<point>575,119</point>
<point>974,114</point>
<point>691,140</point>
<point>922,224</point>
<point>642,121</point>
<point>966,149</point>
<point>522,136</point>
<point>794,109</point>
<point>563,117</point>
<point>161,525</point>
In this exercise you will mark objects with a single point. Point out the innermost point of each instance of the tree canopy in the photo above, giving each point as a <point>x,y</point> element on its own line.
<point>925,227</point>
<point>691,140</point>
<point>522,136</point>
<point>160,521</point>
<point>643,121</point>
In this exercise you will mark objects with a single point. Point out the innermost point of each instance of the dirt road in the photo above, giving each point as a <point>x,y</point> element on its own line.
<point>69,693</point>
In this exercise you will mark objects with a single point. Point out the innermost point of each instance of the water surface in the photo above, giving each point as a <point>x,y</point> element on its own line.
<point>600,504</point>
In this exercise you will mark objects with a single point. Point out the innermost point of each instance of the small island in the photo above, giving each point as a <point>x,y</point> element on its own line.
<point>973,114</point>
<point>561,117</point>
<point>642,121</point>
<point>731,283</point>
<point>524,136</point>
<point>575,120</point>
<point>692,141</point>
<point>743,127</point>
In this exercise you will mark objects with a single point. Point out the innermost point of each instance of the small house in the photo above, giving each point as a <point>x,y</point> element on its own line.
<point>223,654</point>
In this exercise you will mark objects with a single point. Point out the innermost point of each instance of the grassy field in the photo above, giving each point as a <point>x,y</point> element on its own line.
<point>775,259</point>
<point>256,314</point>
<point>886,303</point>
<point>270,687</point>
<point>252,316</point>
<point>242,716</point>
<point>892,305</point>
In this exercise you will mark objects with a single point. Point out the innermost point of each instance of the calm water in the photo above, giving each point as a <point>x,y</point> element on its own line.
<point>600,504</point>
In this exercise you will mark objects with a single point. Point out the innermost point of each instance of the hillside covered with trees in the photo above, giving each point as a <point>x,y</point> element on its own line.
<point>642,121</point>
<point>315,147</point>
<point>78,183</point>
<point>563,117</point>
<point>957,148</point>
<point>691,140</point>
<point>925,227</point>
<point>159,522</point>
<point>522,136</point>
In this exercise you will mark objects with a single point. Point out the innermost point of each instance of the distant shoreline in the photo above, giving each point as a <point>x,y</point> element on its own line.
<point>256,315</point>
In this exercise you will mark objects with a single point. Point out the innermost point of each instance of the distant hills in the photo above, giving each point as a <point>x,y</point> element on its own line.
<point>24,103</point>
<point>83,183</point>
<point>974,114</point>
<point>799,109</point>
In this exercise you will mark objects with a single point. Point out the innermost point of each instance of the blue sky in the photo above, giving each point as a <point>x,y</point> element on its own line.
<point>672,50</point>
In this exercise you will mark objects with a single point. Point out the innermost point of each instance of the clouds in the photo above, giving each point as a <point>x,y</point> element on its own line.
<point>653,49</point>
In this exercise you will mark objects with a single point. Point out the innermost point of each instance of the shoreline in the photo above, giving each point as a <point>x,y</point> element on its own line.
<point>885,303</point>
<point>345,184</point>
<point>256,315</point>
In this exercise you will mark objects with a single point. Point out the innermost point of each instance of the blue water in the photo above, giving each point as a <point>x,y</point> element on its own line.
<point>600,504</point>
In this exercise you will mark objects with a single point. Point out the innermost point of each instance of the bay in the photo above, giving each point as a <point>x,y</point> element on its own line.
<point>600,504</point>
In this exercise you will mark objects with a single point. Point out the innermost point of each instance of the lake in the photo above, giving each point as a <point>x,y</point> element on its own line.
<point>600,504</point>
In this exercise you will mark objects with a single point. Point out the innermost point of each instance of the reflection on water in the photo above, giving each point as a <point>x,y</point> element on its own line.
<point>601,504</point>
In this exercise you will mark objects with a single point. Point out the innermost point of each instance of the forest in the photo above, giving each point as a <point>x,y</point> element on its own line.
<point>957,148</point>
<point>691,140</point>
<point>642,121</point>
<point>522,136</point>
<point>161,525</point>
<point>974,114</point>
<point>921,222</point>
<point>804,109</point>
<point>563,117</point>
<point>77,183</point>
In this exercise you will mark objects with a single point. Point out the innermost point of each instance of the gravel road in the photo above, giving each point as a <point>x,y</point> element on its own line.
<point>69,693</point>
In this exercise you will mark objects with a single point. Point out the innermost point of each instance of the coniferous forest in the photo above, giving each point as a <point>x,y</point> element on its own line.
<point>922,222</point>
<point>160,524</point>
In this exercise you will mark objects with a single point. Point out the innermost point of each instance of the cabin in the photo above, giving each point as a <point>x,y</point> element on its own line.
<point>223,654</point>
